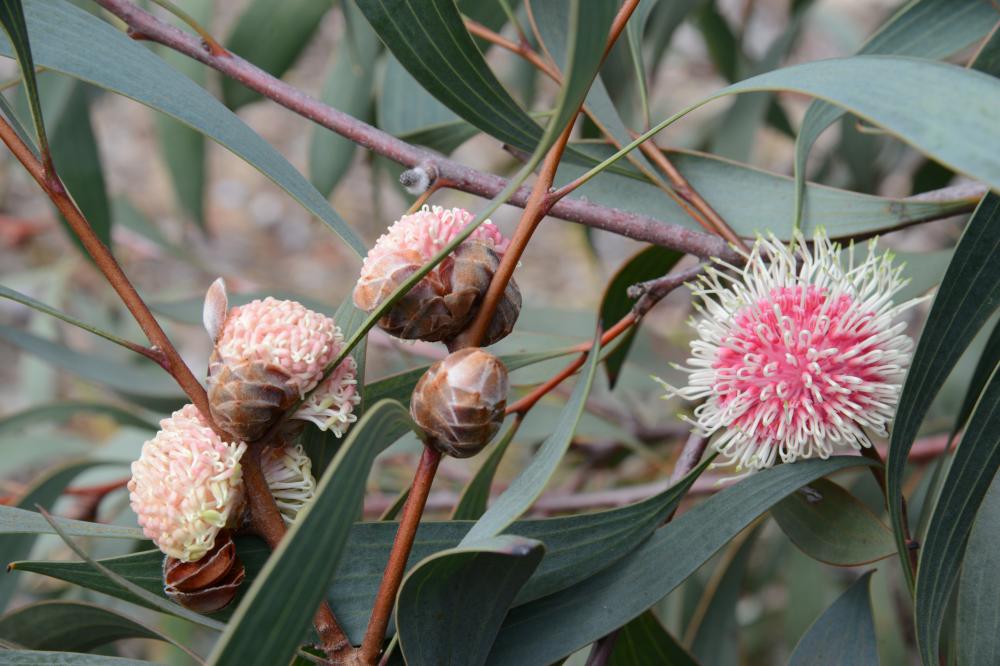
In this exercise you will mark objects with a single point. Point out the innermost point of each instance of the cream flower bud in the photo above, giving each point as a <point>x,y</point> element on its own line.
<point>459,402</point>
<point>187,485</point>
<point>268,355</point>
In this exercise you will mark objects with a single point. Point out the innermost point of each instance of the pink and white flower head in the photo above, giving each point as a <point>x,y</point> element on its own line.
<point>797,356</point>
<point>299,342</point>
<point>442,304</point>
<point>187,485</point>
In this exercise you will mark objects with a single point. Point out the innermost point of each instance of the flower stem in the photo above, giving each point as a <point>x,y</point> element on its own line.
<point>371,646</point>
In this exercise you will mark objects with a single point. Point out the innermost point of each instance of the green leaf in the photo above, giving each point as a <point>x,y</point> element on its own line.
<point>929,29</point>
<point>183,147</point>
<point>972,469</point>
<point>831,525</point>
<point>408,111</point>
<point>529,484</point>
<point>888,92</point>
<point>348,87</point>
<point>44,492</point>
<point>72,625</point>
<point>69,40</point>
<point>476,495</point>
<point>440,614</point>
<point>714,628</point>
<point>576,548</point>
<point>24,299</point>
<point>66,106</point>
<point>271,35</point>
<point>58,412</point>
<point>645,641</point>
<point>550,628</point>
<point>20,521</point>
<point>430,40</point>
<point>754,201</point>
<point>979,586</point>
<point>989,359</point>
<point>143,383</point>
<point>969,293</point>
<point>844,635</point>
<point>39,658</point>
<point>12,18</point>
<point>648,264</point>
<point>265,628</point>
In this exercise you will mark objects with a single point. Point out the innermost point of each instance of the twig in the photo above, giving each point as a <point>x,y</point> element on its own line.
<point>458,176</point>
<point>400,553</point>
<point>109,267</point>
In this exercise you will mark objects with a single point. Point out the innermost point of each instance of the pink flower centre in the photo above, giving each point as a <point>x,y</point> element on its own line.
<point>799,362</point>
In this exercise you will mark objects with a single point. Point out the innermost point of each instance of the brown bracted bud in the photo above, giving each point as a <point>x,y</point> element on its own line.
<point>247,396</point>
<point>211,583</point>
<point>475,265</point>
<point>445,301</point>
<point>459,402</point>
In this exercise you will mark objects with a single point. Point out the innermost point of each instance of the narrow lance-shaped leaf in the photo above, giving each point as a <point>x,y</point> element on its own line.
<point>929,29</point>
<point>265,628</point>
<point>552,627</point>
<point>15,27</point>
<point>184,147</point>
<point>831,525</point>
<point>972,469</point>
<point>21,521</point>
<point>968,295</point>
<point>430,40</point>
<point>645,641</point>
<point>844,635</point>
<point>978,644</point>
<point>440,615</point>
<point>348,87</point>
<point>900,107</point>
<point>271,35</point>
<point>74,625</point>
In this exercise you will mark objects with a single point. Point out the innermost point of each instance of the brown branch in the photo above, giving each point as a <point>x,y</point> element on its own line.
<point>400,553</point>
<point>109,267</point>
<point>458,176</point>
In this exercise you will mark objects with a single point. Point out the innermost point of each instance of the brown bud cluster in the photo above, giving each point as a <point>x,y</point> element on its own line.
<point>459,402</point>
<point>442,305</point>
<point>211,583</point>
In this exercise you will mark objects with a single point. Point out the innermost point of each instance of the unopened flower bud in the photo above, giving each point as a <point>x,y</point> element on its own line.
<point>459,402</point>
<point>443,304</point>
<point>211,583</point>
<point>268,354</point>
<point>187,485</point>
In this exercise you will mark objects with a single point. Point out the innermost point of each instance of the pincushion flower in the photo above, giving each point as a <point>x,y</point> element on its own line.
<point>797,356</point>
<point>186,485</point>
<point>442,304</point>
<point>269,354</point>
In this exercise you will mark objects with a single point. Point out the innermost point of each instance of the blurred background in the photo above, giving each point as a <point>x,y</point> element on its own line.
<point>182,210</point>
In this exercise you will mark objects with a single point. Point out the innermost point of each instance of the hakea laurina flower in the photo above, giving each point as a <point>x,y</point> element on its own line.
<point>796,356</point>
<point>445,301</point>
<point>459,402</point>
<point>268,355</point>
<point>187,485</point>
<point>288,472</point>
